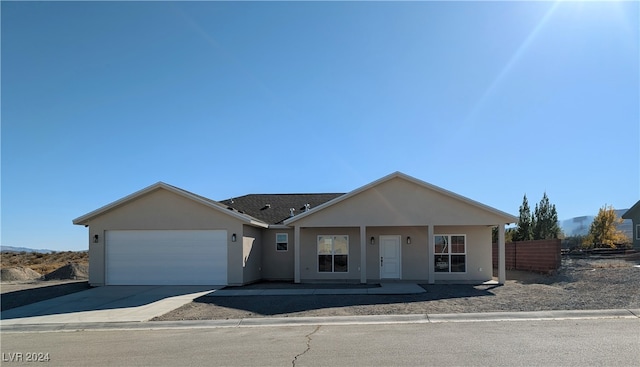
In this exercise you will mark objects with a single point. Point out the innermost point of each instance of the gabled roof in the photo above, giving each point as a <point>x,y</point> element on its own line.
<point>508,218</point>
<point>633,211</point>
<point>275,208</point>
<point>184,193</point>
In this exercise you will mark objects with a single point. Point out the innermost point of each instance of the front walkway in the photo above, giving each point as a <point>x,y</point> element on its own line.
<point>384,288</point>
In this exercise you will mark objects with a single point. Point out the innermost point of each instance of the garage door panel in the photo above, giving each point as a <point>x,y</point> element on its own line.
<point>166,257</point>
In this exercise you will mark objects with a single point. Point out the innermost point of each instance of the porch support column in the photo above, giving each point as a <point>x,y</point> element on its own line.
<point>363,254</point>
<point>502,272</point>
<point>296,257</point>
<point>430,254</point>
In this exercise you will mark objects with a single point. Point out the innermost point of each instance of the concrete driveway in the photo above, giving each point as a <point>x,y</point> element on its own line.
<point>106,304</point>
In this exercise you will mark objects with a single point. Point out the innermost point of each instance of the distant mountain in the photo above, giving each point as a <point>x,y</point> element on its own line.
<point>24,249</point>
<point>579,226</point>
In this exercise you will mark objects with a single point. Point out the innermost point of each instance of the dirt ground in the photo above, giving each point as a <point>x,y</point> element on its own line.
<point>580,284</point>
<point>43,263</point>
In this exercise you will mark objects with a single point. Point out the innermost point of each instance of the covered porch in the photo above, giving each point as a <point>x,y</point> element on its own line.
<point>372,254</point>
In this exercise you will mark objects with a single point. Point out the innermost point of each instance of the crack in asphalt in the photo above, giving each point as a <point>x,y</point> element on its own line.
<point>308,336</point>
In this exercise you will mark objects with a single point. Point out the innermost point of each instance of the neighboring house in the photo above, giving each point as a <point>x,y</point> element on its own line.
<point>395,228</point>
<point>634,215</point>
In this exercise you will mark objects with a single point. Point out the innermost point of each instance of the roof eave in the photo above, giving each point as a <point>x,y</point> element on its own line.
<point>257,223</point>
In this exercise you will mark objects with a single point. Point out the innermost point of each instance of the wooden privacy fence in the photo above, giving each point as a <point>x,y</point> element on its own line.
<point>541,256</point>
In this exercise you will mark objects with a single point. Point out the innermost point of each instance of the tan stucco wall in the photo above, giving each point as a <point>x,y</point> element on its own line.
<point>478,253</point>
<point>277,265</point>
<point>636,234</point>
<point>399,202</point>
<point>415,259</point>
<point>251,254</point>
<point>414,256</point>
<point>309,255</point>
<point>161,209</point>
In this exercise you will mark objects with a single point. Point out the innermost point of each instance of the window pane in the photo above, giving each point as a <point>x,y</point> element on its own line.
<point>441,263</point>
<point>441,243</point>
<point>441,240</point>
<point>281,247</point>
<point>341,245</point>
<point>281,237</point>
<point>324,263</point>
<point>324,245</point>
<point>457,244</point>
<point>457,249</point>
<point>340,263</point>
<point>458,264</point>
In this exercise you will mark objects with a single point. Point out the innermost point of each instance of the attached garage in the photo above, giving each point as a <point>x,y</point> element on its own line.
<point>162,235</point>
<point>166,257</point>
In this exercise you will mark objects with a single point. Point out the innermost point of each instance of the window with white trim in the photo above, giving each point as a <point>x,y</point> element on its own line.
<point>333,254</point>
<point>450,253</point>
<point>637,231</point>
<point>282,242</point>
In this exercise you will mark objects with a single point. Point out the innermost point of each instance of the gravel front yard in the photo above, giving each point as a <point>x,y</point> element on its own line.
<point>580,284</point>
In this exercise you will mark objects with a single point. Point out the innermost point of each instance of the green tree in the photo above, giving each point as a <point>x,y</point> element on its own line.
<point>545,220</point>
<point>509,235</point>
<point>524,232</point>
<point>604,230</point>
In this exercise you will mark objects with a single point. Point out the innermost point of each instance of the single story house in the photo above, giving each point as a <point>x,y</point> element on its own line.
<point>634,214</point>
<point>396,228</point>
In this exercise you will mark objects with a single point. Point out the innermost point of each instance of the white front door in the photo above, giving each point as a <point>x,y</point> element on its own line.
<point>390,260</point>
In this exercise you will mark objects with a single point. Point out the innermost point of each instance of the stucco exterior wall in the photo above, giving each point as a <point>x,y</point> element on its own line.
<point>398,202</point>
<point>251,254</point>
<point>479,261</point>
<point>158,210</point>
<point>636,234</point>
<point>277,265</point>
<point>634,214</point>
<point>309,255</point>
<point>415,265</point>
<point>96,257</point>
<point>415,260</point>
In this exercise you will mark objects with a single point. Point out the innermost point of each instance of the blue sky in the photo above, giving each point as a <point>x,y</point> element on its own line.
<point>491,100</point>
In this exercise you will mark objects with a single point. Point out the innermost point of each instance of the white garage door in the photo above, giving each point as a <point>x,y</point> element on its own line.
<point>166,257</point>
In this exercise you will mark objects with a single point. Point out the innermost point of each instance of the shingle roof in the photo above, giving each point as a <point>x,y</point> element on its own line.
<point>217,203</point>
<point>275,208</point>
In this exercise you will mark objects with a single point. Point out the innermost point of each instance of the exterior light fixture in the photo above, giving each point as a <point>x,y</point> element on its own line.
<point>233,237</point>
<point>408,240</point>
<point>373,240</point>
<point>96,238</point>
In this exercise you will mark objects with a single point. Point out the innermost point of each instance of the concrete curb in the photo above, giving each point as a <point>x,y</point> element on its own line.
<point>337,320</point>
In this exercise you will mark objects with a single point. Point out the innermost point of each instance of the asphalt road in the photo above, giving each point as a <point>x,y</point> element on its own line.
<point>603,342</point>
